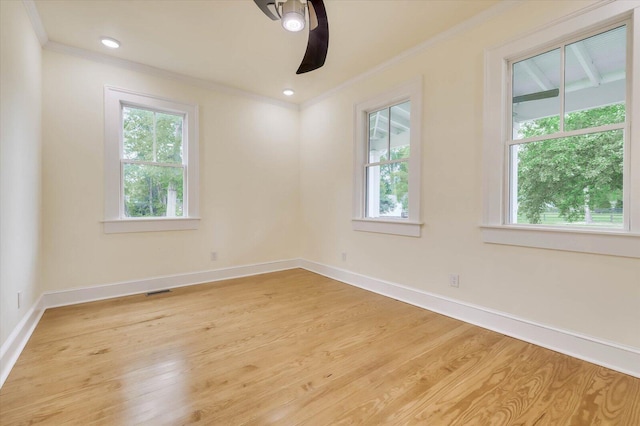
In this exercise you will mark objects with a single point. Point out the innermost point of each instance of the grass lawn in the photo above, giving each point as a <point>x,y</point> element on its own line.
<point>599,220</point>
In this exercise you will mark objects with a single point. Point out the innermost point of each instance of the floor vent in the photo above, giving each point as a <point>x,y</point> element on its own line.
<point>153,293</point>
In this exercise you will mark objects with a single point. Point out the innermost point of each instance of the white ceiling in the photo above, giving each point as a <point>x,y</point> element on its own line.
<point>231,42</point>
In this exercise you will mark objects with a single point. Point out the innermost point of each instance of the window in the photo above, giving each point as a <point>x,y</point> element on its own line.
<point>568,117</point>
<point>151,169</point>
<point>559,137</point>
<point>387,180</point>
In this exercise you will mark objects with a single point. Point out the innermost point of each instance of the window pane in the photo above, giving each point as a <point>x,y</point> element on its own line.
<point>535,91</point>
<point>575,181</point>
<point>152,191</point>
<point>379,135</point>
<point>168,138</point>
<point>388,190</point>
<point>137,126</point>
<point>595,80</point>
<point>400,130</point>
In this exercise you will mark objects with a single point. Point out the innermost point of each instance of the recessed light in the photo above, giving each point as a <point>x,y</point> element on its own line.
<point>288,92</point>
<point>111,43</point>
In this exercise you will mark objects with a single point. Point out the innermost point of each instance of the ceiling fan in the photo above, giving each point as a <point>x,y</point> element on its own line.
<point>292,14</point>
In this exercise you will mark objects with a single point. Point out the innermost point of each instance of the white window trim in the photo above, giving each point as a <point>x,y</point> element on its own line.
<point>114,221</point>
<point>411,226</point>
<point>495,227</point>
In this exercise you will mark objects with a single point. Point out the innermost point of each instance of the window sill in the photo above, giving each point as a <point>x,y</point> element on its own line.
<point>613,243</point>
<point>388,226</point>
<point>149,225</point>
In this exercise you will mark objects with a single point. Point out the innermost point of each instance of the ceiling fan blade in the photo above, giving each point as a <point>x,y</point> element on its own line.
<point>264,7</point>
<point>318,44</point>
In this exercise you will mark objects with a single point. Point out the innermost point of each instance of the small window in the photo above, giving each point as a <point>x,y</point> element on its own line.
<point>150,163</point>
<point>388,167</point>
<point>388,163</point>
<point>152,168</point>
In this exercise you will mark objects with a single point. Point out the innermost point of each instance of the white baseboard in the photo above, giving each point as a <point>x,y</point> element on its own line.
<point>108,291</point>
<point>17,340</point>
<point>597,351</point>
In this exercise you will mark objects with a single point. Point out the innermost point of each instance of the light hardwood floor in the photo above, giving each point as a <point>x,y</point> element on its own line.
<point>293,348</point>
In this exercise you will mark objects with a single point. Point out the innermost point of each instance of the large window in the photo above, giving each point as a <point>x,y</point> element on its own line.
<point>560,149</point>
<point>388,162</point>
<point>568,122</point>
<point>150,163</point>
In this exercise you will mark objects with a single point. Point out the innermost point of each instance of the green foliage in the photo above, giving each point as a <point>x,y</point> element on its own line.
<point>138,134</point>
<point>394,181</point>
<point>147,188</point>
<point>169,138</point>
<point>156,138</point>
<point>569,174</point>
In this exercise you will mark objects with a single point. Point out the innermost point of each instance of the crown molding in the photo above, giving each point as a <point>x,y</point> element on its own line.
<point>54,46</point>
<point>36,22</point>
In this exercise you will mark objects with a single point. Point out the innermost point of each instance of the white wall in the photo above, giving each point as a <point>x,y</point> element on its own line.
<point>20,149</point>
<point>249,173</point>
<point>590,294</point>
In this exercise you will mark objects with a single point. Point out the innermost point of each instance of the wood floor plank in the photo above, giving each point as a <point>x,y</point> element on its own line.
<point>337,367</point>
<point>399,390</point>
<point>295,348</point>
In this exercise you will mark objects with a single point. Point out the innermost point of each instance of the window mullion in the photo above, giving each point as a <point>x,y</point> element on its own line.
<point>155,155</point>
<point>365,198</point>
<point>389,134</point>
<point>382,163</point>
<point>153,163</point>
<point>365,170</point>
<point>562,87</point>
<point>631,168</point>
<point>121,163</point>
<point>121,202</point>
<point>579,132</point>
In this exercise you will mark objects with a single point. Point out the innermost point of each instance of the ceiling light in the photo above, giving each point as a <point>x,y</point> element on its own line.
<point>111,43</point>
<point>288,92</point>
<point>293,18</point>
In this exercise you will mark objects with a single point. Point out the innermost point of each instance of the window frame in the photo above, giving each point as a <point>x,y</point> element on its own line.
<point>411,225</point>
<point>496,227</point>
<point>114,219</point>
<point>562,131</point>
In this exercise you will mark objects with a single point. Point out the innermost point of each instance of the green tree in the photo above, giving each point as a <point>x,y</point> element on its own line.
<point>574,174</point>
<point>152,137</point>
<point>394,181</point>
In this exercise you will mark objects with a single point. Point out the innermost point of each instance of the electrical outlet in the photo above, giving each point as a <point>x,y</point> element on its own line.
<point>344,256</point>
<point>214,256</point>
<point>19,299</point>
<point>454,280</point>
